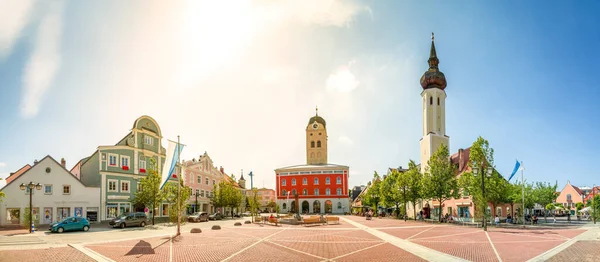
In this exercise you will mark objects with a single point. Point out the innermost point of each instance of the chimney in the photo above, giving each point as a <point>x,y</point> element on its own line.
<point>35,162</point>
<point>460,159</point>
<point>63,162</point>
<point>222,170</point>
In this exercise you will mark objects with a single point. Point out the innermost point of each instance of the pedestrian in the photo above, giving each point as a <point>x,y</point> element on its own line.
<point>497,220</point>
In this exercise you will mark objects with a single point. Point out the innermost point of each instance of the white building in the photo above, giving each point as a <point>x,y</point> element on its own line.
<point>62,195</point>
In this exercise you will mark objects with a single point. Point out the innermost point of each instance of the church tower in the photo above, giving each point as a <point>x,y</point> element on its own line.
<point>433,98</point>
<point>316,140</point>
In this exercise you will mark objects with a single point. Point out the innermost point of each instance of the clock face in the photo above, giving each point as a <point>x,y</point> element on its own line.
<point>315,125</point>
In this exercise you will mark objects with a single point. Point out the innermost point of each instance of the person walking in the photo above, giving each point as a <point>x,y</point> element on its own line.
<point>497,220</point>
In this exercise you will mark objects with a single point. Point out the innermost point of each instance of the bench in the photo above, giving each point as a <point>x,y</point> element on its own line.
<point>257,219</point>
<point>332,219</point>
<point>311,220</point>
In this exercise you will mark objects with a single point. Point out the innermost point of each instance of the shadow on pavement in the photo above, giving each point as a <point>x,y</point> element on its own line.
<point>141,248</point>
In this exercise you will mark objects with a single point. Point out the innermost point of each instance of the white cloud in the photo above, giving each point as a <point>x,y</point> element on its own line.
<point>44,63</point>
<point>337,13</point>
<point>2,165</point>
<point>14,16</point>
<point>342,80</point>
<point>345,140</point>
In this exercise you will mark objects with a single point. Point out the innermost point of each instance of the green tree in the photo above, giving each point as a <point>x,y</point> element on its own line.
<point>177,200</point>
<point>253,202</point>
<point>373,196</point>
<point>544,194</point>
<point>393,190</point>
<point>578,206</point>
<point>218,198</point>
<point>272,205</point>
<point>415,185</point>
<point>439,181</point>
<point>2,194</point>
<point>27,218</point>
<point>150,194</point>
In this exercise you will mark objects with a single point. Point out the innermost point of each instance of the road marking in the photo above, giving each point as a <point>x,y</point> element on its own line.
<point>360,250</point>
<point>493,247</point>
<point>451,235</point>
<point>171,249</point>
<point>295,250</point>
<point>254,244</point>
<point>420,232</point>
<point>91,253</point>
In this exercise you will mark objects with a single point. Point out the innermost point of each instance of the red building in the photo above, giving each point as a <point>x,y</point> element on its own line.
<point>320,187</point>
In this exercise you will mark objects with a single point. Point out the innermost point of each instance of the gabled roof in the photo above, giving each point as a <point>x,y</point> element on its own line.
<point>48,156</point>
<point>16,174</point>
<point>461,159</point>
<point>578,190</point>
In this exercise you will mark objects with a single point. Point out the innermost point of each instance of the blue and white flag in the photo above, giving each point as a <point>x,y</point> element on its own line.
<point>517,167</point>
<point>173,152</point>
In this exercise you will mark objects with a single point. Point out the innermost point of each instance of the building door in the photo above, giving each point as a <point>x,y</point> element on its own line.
<point>317,207</point>
<point>328,207</point>
<point>305,207</point>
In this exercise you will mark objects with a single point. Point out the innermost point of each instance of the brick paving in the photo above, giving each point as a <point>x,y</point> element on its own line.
<point>63,254</point>
<point>336,243</point>
<point>579,251</point>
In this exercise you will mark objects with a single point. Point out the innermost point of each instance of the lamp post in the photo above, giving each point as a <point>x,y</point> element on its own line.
<point>30,186</point>
<point>594,203</point>
<point>196,194</point>
<point>487,173</point>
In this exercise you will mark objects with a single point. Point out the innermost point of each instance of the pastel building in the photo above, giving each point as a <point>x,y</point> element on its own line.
<point>321,187</point>
<point>569,196</point>
<point>201,177</point>
<point>265,196</point>
<point>117,169</point>
<point>61,195</point>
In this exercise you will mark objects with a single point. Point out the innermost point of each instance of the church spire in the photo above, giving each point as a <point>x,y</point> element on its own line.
<point>433,60</point>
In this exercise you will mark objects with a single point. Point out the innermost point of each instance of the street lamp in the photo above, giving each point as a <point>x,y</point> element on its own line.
<point>488,173</point>
<point>30,186</point>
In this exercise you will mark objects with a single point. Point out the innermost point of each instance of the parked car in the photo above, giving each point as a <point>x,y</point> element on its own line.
<point>198,217</point>
<point>71,224</point>
<point>129,219</point>
<point>216,216</point>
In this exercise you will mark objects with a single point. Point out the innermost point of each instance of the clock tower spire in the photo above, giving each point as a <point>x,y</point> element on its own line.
<point>316,140</point>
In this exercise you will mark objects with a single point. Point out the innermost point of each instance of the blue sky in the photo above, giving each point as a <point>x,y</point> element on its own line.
<point>240,80</point>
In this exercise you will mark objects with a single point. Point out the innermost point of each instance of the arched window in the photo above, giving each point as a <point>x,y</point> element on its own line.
<point>284,192</point>
<point>283,182</point>
<point>327,181</point>
<point>304,181</point>
<point>339,191</point>
<point>319,143</point>
<point>431,100</point>
<point>339,206</point>
<point>316,191</point>
<point>293,181</point>
<point>305,192</point>
<point>316,181</point>
<point>327,191</point>
<point>312,143</point>
<point>207,181</point>
<point>338,180</point>
<point>294,192</point>
<point>284,206</point>
<point>438,101</point>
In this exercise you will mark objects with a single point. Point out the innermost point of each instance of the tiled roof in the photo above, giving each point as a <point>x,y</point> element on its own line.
<point>457,159</point>
<point>17,174</point>
<point>578,190</point>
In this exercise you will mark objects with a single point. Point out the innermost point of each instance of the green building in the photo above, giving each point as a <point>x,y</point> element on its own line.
<point>117,169</point>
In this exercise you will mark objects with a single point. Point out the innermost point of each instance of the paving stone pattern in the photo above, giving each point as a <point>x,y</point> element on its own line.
<point>63,254</point>
<point>579,251</point>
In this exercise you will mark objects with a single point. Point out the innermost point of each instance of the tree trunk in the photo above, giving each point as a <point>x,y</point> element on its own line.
<point>405,215</point>
<point>415,210</point>
<point>153,214</point>
<point>440,213</point>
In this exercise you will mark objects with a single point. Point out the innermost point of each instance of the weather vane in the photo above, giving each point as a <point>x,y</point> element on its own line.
<point>432,36</point>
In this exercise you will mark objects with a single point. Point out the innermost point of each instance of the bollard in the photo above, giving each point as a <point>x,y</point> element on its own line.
<point>32,227</point>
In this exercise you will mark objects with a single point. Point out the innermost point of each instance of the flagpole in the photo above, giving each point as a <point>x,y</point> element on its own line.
<point>178,189</point>
<point>523,193</point>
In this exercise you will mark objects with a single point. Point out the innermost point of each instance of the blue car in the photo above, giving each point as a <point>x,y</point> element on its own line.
<point>71,224</point>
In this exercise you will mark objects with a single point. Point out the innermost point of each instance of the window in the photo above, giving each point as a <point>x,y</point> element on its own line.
<point>112,160</point>
<point>319,143</point>
<point>284,206</point>
<point>327,181</point>
<point>305,192</point>
<point>284,192</point>
<point>66,189</point>
<point>316,181</point>
<point>568,197</point>
<point>294,192</point>
<point>148,140</point>
<point>327,191</point>
<point>438,101</point>
<point>124,186</point>
<point>312,143</point>
<point>197,192</point>
<point>199,179</point>
<point>283,182</point>
<point>305,181</point>
<point>124,161</point>
<point>293,181</point>
<point>339,191</point>
<point>207,181</point>
<point>139,187</point>
<point>112,185</point>
<point>338,180</point>
<point>143,164</point>
<point>339,205</point>
<point>48,189</point>
<point>431,100</point>
<point>316,191</point>
<point>165,209</point>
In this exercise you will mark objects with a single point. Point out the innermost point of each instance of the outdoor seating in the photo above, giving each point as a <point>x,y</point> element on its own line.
<point>273,220</point>
<point>332,219</point>
<point>311,220</point>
